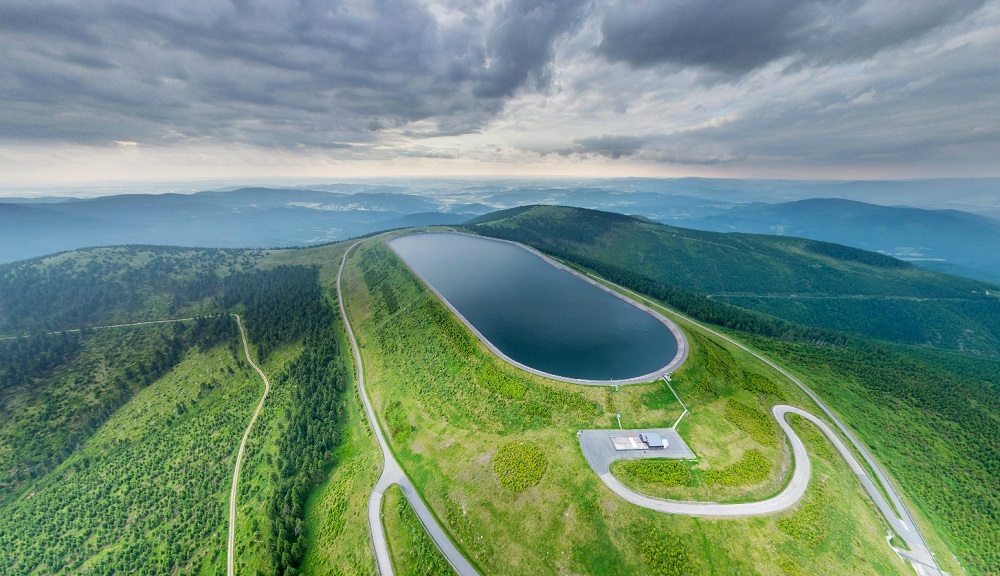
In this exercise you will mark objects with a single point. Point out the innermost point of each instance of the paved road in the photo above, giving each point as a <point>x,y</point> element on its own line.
<point>787,498</point>
<point>920,555</point>
<point>392,473</point>
<point>230,563</point>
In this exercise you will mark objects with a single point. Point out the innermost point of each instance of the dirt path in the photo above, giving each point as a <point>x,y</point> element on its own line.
<point>230,562</point>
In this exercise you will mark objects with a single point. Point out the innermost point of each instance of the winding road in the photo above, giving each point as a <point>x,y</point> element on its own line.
<point>392,473</point>
<point>230,554</point>
<point>786,499</point>
<point>919,554</point>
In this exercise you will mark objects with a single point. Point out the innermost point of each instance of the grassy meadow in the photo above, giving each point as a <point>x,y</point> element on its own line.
<point>448,405</point>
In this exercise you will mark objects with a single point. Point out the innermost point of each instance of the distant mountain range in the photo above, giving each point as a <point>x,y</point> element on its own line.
<point>244,218</point>
<point>946,240</point>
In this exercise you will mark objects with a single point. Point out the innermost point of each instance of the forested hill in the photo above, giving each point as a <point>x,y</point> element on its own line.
<point>118,443</point>
<point>807,282</point>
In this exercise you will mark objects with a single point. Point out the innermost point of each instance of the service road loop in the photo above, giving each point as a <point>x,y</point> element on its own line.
<point>392,472</point>
<point>920,556</point>
<point>792,493</point>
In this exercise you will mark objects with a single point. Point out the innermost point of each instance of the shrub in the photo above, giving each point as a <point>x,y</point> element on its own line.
<point>754,422</point>
<point>665,472</point>
<point>519,465</point>
<point>808,523</point>
<point>665,554</point>
<point>751,469</point>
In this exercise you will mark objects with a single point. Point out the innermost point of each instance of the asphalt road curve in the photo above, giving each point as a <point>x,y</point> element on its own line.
<point>392,473</point>
<point>788,497</point>
<point>919,554</point>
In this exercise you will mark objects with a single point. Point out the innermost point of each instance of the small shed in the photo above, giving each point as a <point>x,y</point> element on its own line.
<point>652,439</point>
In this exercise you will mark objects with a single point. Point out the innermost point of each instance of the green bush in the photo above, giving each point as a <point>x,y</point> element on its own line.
<point>397,421</point>
<point>760,384</point>
<point>751,469</point>
<point>665,554</point>
<point>665,472</point>
<point>808,523</point>
<point>754,422</point>
<point>519,465</point>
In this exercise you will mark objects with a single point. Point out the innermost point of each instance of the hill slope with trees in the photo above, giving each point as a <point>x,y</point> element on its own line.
<point>801,281</point>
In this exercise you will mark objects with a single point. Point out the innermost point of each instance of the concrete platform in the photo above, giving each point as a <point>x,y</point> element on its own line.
<point>599,448</point>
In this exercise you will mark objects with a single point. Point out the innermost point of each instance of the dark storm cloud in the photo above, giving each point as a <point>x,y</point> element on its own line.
<point>504,81</point>
<point>737,36</point>
<point>520,45</point>
<point>265,72</point>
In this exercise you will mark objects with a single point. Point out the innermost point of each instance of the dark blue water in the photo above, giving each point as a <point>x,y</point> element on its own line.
<point>541,316</point>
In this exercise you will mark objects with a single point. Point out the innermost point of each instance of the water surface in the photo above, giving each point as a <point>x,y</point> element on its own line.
<point>543,317</point>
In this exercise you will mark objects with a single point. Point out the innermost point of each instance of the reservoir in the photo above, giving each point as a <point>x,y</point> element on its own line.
<point>542,317</point>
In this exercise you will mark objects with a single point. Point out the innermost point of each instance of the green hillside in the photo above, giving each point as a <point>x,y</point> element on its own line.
<point>802,281</point>
<point>453,412</point>
<point>117,444</point>
<point>931,416</point>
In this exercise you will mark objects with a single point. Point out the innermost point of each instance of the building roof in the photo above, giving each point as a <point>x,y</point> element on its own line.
<point>653,439</point>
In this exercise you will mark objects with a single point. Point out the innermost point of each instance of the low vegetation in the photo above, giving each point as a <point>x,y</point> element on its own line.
<point>519,465</point>
<point>754,421</point>
<point>665,472</point>
<point>807,523</point>
<point>752,468</point>
<point>413,551</point>
<point>664,554</point>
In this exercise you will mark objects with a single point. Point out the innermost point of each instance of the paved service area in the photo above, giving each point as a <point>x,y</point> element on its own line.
<point>599,449</point>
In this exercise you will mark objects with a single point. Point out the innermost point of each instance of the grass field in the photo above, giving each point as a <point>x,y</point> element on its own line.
<point>337,512</point>
<point>413,552</point>
<point>448,405</point>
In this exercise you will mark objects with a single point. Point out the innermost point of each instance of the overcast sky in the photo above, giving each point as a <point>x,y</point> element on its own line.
<point>96,90</point>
